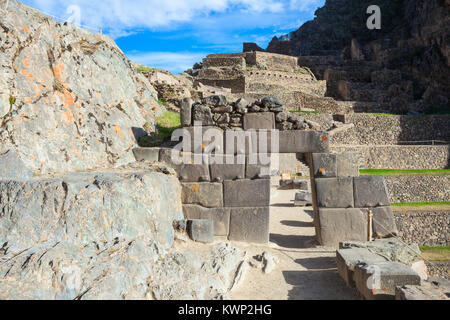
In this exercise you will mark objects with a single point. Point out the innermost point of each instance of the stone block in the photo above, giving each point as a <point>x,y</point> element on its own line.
<point>347,164</point>
<point>237,142</point>
<point>428,290</point>
<point>337,225</point>
<point>370,191</point>
<point>347,260</point>
<point>334,192</point>
<point>227,167</point>
<point>383,222</point>
<point>203,139</point>
<point>378,281</point>
<point>146,154</point>
<point>202,114</point>
<point>186,112</point>
<point>257,121</point>
<point>249,224</point>
<point>201,230</point>
<point>12,167</point>
<point>247,193</point>
<point>219,216</point>
<point>259,166</point>
<point>303,199</point>
<point>184,165</point>
<point>393,249</point>
<point>205,194</point>
<point>296,141</point>
<point>325,165</point>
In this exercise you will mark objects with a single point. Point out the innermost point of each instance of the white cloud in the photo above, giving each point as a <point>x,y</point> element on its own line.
<point>175,62</point>
<point>124,14</point>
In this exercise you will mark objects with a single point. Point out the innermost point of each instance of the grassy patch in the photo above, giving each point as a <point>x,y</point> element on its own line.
<point>436,253</point>
<point>399,172</point>
<point>421,204</point>
<point>12,100</point>
<point>144,69</point>
<point>304,111</point>
<point>165,126</point>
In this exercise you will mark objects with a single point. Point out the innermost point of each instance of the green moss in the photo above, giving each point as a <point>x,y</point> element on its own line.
<point>144,69</point>
<point>165,126</point>
<point>421,204</point>
<point>12,100</point>
<point>395,172</point>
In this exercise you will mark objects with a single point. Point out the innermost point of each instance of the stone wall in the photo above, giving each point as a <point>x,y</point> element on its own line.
<point>425,228</point>
<point>272,61</point>
<point>348,207</point>
<point>373,129</point>
<point>267,113</point>
<point>399,157</point>
<point>427,188</point>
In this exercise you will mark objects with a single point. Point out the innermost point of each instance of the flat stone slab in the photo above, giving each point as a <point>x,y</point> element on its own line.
<point>203,139</point>
<point>429,290</point>
<point>383,222</point>
<point>393,249</point>
<point>219,216</point>
<point>146,154</point>
<point>12,167</point>
<point>325,165</point>
<point>296,141</point>
<point>259,166</point>
<point>335,192</point>
<point>257,121</point>
<point>347,260</point>
<point>184,165</point>
<point>227,167</point>
<point>249,225</point>
<point>247,193</point>
<point>337,225</point>
<point>378,281</point>
<point>201,230</point>
<point>206,194</point>
<point>371,191</point>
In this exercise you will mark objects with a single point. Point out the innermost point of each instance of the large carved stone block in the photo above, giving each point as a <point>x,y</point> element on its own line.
<point>370,191</point>
<point>205,194</point>
<point>257,121</point>
<point>249,224</point>
<point>247,193</point>
<point>335,192</point>
<point>338,225</point>
<point>220,217</point>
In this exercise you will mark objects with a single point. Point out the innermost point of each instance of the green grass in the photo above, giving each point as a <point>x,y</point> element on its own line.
<point>144,68</point>
<point>166,125</point>
<point>12,100</point>
<point>421,204</point>
<point>399,172</point>
<point>381,114</point>
<point>436,253</point>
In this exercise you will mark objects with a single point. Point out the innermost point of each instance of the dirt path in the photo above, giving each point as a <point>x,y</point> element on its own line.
<point>306,271</point>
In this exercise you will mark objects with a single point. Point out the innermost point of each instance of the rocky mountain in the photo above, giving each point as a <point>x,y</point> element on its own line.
<point>69,99</point>
<point>414,38</point>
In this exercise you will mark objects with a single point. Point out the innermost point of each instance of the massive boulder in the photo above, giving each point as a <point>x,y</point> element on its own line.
<point>69,99</point>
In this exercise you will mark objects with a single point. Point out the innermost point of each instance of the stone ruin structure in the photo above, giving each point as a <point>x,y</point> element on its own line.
<point>223,197</point>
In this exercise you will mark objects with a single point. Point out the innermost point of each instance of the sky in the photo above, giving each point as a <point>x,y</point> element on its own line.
<point>174,34</point>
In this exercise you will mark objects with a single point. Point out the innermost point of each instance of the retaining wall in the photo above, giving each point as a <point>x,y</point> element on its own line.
<point>399,157</point>
<point>421,188</point>
<point>425,228</point>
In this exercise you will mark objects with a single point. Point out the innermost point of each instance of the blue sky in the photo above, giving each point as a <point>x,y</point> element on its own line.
<point>174,34</point>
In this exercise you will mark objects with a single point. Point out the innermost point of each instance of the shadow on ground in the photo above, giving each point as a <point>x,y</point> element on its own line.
<point>299,224</point>
<point>318,285</point>
<point>293,241</point>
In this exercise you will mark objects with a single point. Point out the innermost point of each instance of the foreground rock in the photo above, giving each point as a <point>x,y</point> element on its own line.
<point>119,269</point>
<point>69,100</point>
<point>90,206</point>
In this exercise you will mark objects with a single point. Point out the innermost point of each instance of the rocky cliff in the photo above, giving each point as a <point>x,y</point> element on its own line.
<point>69,99</point>
<point>414,38</point>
